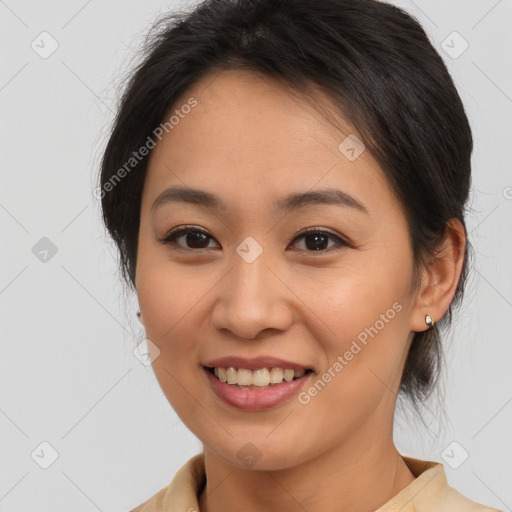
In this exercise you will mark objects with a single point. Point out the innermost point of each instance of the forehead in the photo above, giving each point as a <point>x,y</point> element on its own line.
<point>251,137</point>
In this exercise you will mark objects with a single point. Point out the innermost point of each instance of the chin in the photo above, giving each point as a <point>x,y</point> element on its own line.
<point>264,455</point>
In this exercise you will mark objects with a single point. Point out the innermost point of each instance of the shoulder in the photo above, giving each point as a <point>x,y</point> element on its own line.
<point>181,494</point>
<point>154,503</point>
<point>431,492</point>
<point>451,499</point>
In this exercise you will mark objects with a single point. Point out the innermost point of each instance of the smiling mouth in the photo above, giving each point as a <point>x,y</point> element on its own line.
<point>262,378</point>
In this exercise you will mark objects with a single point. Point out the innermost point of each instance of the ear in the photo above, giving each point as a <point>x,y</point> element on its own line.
<point>440,277</point>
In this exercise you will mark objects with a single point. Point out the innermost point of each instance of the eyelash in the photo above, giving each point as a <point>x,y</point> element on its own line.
<point>170,239</point>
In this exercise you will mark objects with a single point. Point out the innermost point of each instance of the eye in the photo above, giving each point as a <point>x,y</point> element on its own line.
<point>193,238</point>
<point>316,240</point>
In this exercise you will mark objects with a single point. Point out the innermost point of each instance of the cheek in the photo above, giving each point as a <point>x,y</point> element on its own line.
<point>354,296</point>
<point>167,292</point>
<point>170,299</point>
<point>365,307</point>
<point>364,357</point>
<point>369,331</point>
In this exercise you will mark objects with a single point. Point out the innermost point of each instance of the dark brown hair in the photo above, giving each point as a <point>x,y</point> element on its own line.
<point>375,64</point>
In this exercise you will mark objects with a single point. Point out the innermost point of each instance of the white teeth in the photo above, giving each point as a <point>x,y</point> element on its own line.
<point>231,375</point>
<point>288,374</point>
<point>244,377</point>
<point>276,375</point>
<point>262,377</point>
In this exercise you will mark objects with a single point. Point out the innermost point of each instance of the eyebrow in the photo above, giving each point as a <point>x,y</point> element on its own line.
<point>294,201</point>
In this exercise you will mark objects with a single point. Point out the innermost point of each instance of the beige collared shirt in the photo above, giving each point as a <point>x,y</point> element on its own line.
<point>430,491</point>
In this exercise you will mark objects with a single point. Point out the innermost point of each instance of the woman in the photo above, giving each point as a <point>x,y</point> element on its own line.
<point>286,183</point>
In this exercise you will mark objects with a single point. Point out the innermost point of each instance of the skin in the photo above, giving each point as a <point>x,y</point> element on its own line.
<point>250,141</point>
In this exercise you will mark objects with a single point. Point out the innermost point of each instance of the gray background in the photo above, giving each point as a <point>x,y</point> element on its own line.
<point>68,376</point>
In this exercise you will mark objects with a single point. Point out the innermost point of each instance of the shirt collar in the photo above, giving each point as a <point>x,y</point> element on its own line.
<point>430,481</point>
<point>181,495</point>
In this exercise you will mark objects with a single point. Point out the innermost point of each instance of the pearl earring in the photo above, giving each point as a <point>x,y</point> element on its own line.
<point>429,321</point>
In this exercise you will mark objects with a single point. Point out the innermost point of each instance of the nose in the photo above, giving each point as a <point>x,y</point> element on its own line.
<point>251,299</point>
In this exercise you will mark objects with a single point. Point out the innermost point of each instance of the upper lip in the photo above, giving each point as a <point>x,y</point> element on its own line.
<point>254,364</point>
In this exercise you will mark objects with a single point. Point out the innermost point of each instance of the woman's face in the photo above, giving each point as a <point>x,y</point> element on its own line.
<point>336,302</point>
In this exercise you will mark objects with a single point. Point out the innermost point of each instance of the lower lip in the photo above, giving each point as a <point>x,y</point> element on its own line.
<point>255,399</point>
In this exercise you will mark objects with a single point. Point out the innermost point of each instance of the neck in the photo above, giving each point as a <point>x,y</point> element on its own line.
<point>358,475</point>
